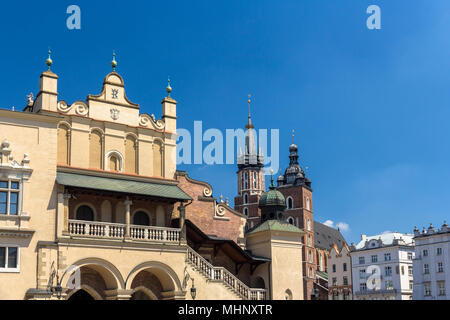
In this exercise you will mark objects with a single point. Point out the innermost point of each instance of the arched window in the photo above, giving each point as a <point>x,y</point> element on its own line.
<point>289,203</point>
<point>95,150</point>
<point>245,198</point>
<point>246,211</point>
<point>130,154</point>
<point>245,180</point>
<point>308,225</point>
<point>254,180</point>
<point>157,158</point>
<point>85,213</point>
<point>63,144</point>
<point>290,220</point>
<point>308,204</point>
<point>141,218</point>
<point>114,163</point>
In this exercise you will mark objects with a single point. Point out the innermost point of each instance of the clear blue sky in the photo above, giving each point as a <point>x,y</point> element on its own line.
<point>370,108</point>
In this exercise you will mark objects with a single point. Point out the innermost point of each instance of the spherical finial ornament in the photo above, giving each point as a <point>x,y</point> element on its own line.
<point>114,62</point>
<point>169,88</point>
<point>49,60</point>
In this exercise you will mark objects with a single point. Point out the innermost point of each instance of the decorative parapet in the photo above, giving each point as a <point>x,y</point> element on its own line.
<point>78,107</point>
<point>146,120</point>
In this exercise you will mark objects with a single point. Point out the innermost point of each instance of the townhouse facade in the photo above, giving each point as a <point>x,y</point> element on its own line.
<point>382,267</point>
<point>432,263</point>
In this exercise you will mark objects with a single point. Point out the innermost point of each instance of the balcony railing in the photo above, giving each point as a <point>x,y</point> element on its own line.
<point>223,275</point>
<point>107,230</point>
<point>373,291</point>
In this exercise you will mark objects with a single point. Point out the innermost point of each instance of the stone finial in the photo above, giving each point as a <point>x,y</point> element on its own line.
<point>26,160</point>
<point>221,198</point>
<point>30,99</point>
<point>227,201</point>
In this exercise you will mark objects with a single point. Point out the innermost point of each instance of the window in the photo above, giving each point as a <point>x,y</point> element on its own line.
<point>387,257</point>
<point>362,260</point>
<point>290,220</point>
<point>346,296</point>
<point>345,281</point>
<point>9,197</point>
<point>308,204</point>
<point>441,288</point>
<point>425,253</point>
<point>410,256</point>
<point>362,273</point>
<point>85,213</point>
<point>388,271</point>
<point>411,284</point>
<point>141,218</point>
<point>254,180</point>
<point>289,203</point>
<point>246,180</point>
<point>335,296</point>
<point>439,251</point>
<point>245,198</point>
<point>389,285</point>
<point>344,266</point>
<point>426,268</point>
<point>334,281</point>
<point>410,270</point>
<point>440,266</point>
<point>308,225</point>
<point>374,258</point>
<point>9,259</point>
<point>334,268</point>
<point>362,287</point>
<point>246,211</point>
<point>427,289</point>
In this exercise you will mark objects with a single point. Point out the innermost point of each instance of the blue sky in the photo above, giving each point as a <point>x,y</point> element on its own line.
<point>370,107</point>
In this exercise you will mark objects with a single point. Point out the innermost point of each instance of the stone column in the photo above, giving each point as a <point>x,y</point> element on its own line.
<point>128,204</point>
<point>182,210</point>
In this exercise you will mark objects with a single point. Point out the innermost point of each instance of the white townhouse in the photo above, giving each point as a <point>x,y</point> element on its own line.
<point>432,263</point>
<point>382,267</point>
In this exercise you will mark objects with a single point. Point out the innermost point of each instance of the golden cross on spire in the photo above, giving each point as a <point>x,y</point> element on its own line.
<point>293,135</point>
<point>114,62</point>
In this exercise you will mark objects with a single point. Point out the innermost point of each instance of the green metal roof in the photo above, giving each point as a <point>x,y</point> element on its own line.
<point>171,191</point>
<point>275,225</point>
<point>322,274</point>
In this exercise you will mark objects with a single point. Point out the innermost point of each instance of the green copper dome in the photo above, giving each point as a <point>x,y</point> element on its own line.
<point>272,198</point>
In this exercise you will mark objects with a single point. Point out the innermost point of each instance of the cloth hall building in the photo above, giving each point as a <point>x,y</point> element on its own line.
<point>92,207</point>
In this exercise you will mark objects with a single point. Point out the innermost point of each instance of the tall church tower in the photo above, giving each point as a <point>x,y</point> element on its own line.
<point>296,188</point>
<point>250,176</point>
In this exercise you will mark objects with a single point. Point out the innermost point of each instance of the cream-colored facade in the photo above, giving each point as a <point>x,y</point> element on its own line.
<point>88,191</point>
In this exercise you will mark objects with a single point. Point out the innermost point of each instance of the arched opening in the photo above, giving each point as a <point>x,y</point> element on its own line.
<point>141,218</point>
<point>155,279</point>
<point>63,144</point>
<point>130,154</point>
<point>81,295</point>
<point>157,159</point>
<point>258,283</point>
<point>85,213</point>
<point>290,220</point>
<point>140,295</point>
<point>160,216</point>
<point>114,163</point>
<point>106,211</point>
<point>95,150</point>
<point>289,203</point>
<point>246,211</point>
<point>245,198</point>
